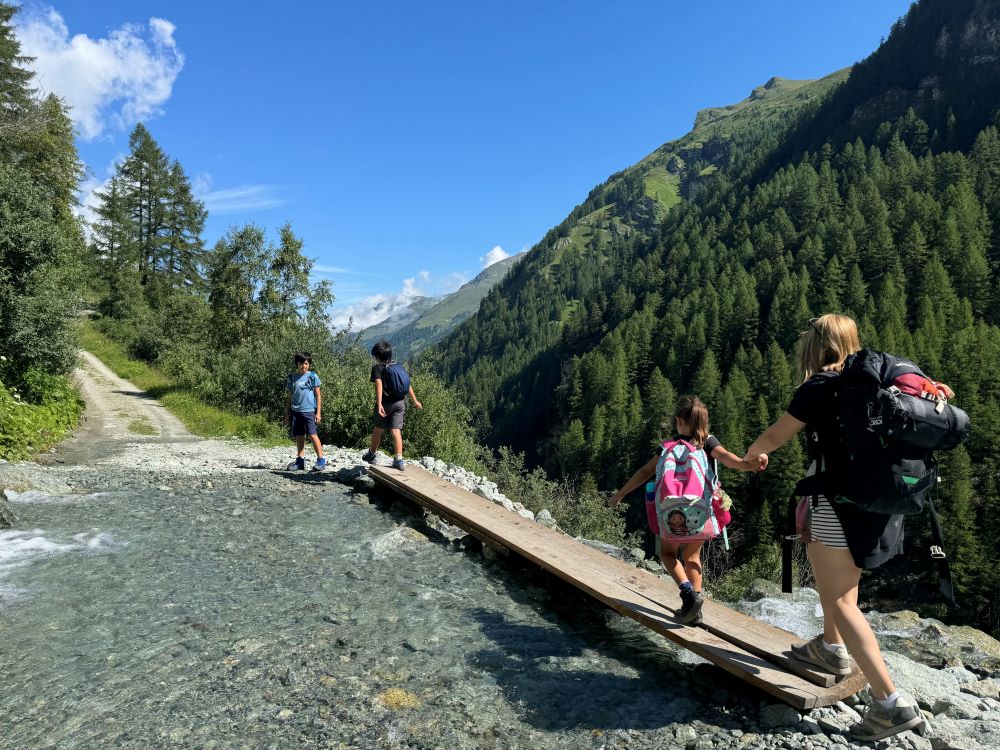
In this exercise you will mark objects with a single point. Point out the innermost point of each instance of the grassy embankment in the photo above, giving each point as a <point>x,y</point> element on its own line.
<point>38,416</point>
<point>200,418</point>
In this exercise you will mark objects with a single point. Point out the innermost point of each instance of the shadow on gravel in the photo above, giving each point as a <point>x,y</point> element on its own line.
<point>306,477</point>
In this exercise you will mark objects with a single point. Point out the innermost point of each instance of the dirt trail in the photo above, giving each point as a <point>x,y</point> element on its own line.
<point>117,412</point>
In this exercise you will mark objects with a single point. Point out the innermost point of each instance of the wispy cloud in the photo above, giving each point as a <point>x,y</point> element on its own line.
<point>107,82</point>
<point>242,199</point>
<point>493,256</point>
<point>338,271</point>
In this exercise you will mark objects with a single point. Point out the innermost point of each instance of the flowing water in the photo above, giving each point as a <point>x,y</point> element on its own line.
<point>267,616</point>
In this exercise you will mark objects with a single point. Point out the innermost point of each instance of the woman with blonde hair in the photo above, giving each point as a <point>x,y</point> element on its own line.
<point>842,538</point>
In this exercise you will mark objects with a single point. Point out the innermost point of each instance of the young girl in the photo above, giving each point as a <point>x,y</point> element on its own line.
<point>691,423</point>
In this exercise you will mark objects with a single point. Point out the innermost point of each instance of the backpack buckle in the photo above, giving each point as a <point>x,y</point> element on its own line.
<point>937,553</point>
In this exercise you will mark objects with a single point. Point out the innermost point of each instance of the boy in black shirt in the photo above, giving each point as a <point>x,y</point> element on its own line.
<point>392,386</point>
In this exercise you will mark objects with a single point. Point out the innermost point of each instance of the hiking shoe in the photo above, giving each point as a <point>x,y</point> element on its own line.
<point>299,464</point>
<point>320,464</point>
<point>691,608</point>
<point>814,652</point>
<point>399,464</point>
<point>368,457</point>
<point>879,723</point>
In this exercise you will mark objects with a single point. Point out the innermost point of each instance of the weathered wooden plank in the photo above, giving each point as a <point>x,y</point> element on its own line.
<point>747,648</point>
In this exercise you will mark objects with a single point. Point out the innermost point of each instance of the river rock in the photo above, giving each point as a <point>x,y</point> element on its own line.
<point>545,519</point>
<point>954,734</point>
<point>761,589</point>
<point>931,642</point>
<point>983,689</point>
<point>7,517</point>
<point>926,685</point>
<point>956,708</point>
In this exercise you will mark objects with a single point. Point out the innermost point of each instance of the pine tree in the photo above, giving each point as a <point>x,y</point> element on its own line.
<point>707,381</point>
<point>16,94</point>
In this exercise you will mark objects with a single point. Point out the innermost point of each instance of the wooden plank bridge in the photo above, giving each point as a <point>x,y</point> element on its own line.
<point>746,648</point>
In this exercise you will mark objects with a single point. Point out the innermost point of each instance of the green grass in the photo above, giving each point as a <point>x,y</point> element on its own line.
<point>141,427</point>
<point>662,186</point>
<point>200,418</point>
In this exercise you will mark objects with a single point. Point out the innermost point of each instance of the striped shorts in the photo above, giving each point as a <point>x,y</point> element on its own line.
<point>824,526</point>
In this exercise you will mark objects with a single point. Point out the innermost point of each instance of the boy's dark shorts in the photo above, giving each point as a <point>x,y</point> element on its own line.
<point>303,423</point>
<point>393,419</point>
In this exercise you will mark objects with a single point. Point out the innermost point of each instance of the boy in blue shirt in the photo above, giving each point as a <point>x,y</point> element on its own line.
<point>303,409</point>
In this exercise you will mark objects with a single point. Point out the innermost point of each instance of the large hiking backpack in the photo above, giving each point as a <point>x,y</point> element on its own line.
<point>879,455</point>
<point>682,509</point>
<point>890,417</point>
<point>396,380</point>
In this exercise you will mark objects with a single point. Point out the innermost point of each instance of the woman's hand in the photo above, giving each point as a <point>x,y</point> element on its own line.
<point>756,461</point>
<point>615,499</point>
<point>418,404</point>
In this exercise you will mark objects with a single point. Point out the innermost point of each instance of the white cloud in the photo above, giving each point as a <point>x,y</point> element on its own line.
<point>241,199</point>
<point>493,256</point>
<point>113,81</point>
<point>452,282</point>
<point>375,308</point>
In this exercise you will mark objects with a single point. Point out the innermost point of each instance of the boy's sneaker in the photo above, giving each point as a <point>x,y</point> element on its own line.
<point>399,464</point>
<point>320,464</point>
<point>879,723</point>
<point>299,464</point>
<point>836,662</point>
<point>368,457</point>
<point>690,613</point>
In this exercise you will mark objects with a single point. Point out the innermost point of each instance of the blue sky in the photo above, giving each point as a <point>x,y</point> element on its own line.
<point>406,142</point>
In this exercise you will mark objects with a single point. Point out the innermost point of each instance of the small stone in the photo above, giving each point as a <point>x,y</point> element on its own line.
<point>285,714</point>
<point>545,519</point>
<point>164,488</point>
<point>685,734</point>
<point>811,725</point>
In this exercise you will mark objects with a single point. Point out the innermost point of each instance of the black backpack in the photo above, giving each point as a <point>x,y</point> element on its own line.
<point>879,453</point>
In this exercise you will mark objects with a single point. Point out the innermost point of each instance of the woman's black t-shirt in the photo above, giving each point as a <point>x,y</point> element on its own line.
<point>873,538</point>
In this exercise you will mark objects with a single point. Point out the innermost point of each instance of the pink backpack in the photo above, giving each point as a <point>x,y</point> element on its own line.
<point>687,490</point>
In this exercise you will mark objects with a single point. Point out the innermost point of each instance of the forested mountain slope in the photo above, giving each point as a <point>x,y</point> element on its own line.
<point>577,356</point>
<point>556,288</point>
<point>429,319</point>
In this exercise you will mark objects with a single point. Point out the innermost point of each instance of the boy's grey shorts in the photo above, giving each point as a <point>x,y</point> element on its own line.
<point>393,419</point>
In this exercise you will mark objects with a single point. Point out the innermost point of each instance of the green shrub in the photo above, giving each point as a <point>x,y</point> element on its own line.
<point>579,508</point>
<point>45,413</point>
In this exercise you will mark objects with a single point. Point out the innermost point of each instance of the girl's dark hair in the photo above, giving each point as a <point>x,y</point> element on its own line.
<point>301,357</point>
<point>382,351</point>
<point>692,410</point>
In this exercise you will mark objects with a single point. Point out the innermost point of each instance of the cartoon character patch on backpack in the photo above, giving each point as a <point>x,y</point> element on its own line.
<point>682,508</point>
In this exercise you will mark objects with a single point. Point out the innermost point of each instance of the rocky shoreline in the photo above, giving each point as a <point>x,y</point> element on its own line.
<point>954,673</point>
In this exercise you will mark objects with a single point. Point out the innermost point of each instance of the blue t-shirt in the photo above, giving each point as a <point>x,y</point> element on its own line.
<point>303,389</point>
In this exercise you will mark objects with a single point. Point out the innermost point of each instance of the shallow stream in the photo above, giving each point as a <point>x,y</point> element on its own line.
<point>266,614</point>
